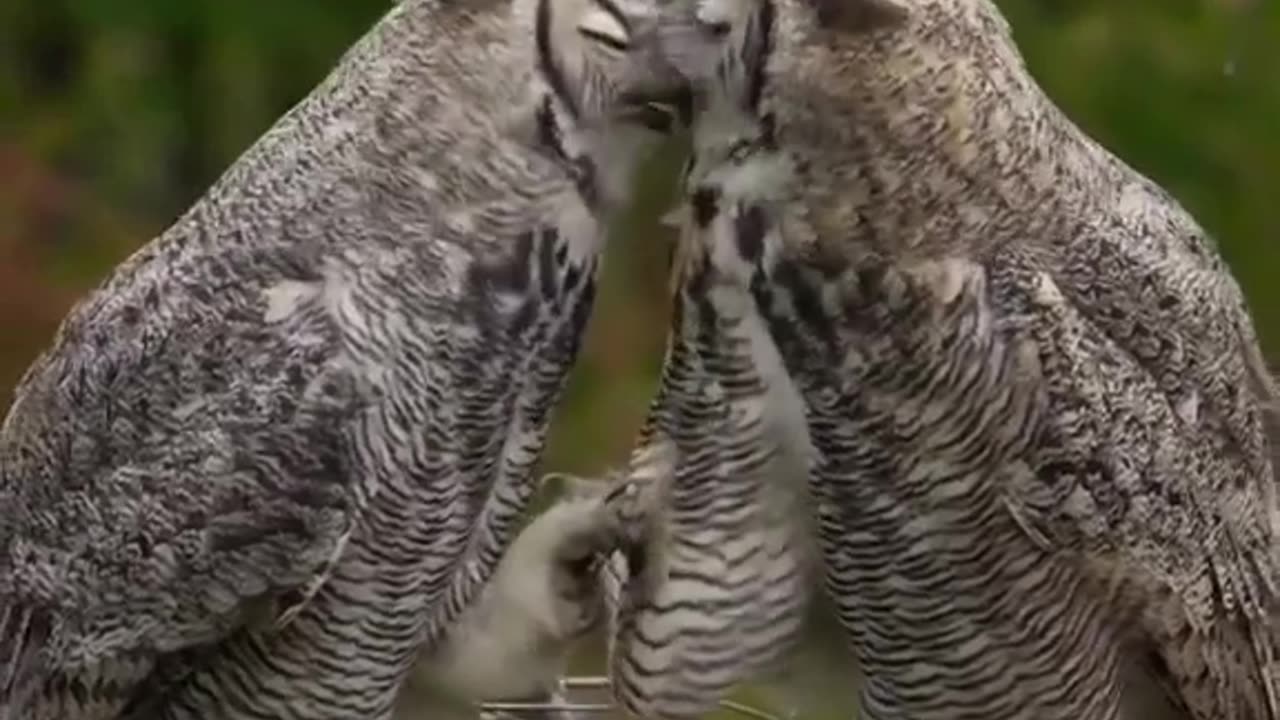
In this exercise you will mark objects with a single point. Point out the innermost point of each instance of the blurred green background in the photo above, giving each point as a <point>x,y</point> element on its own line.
<point>116,114</point>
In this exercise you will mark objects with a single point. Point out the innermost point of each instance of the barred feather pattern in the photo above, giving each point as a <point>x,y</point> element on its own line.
<point>924,410</point>
<point>513,642</point>
<point>921,410</point>
<point>1135,522</point>
<point>714,589</point>
<point>282,447</point>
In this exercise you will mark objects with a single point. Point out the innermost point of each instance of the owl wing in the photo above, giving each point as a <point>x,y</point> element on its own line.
<point>1154,466</point>
<point>163,483</point>
<point>1148,464</point>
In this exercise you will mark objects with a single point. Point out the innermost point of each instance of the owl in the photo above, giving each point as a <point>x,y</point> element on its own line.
<point>1041,432</point>
<point>281,449</point>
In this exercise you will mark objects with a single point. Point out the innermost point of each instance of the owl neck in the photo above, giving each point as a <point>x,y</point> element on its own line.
<point>570,117</point>
<point>939,154</point>
<point>599,155</point>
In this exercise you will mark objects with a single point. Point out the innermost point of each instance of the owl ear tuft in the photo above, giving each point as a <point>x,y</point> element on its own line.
<point>859,16</point>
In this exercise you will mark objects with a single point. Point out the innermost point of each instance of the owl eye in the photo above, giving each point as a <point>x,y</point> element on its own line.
<point>606,25</point>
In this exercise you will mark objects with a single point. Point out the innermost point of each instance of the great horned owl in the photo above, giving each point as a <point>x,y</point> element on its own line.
<point>323,390</point>
<point>1041,424</point>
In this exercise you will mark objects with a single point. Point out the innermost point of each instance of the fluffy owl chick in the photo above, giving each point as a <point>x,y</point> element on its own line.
<point>513,641</point>
<point>1035,396</point>
<point>325,387</point>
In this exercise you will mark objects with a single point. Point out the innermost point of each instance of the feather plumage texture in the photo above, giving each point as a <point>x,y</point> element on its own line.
<point>714,587</point>
<point>1120,507</point>
<point>513,642</point>
<point>285,443</point>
